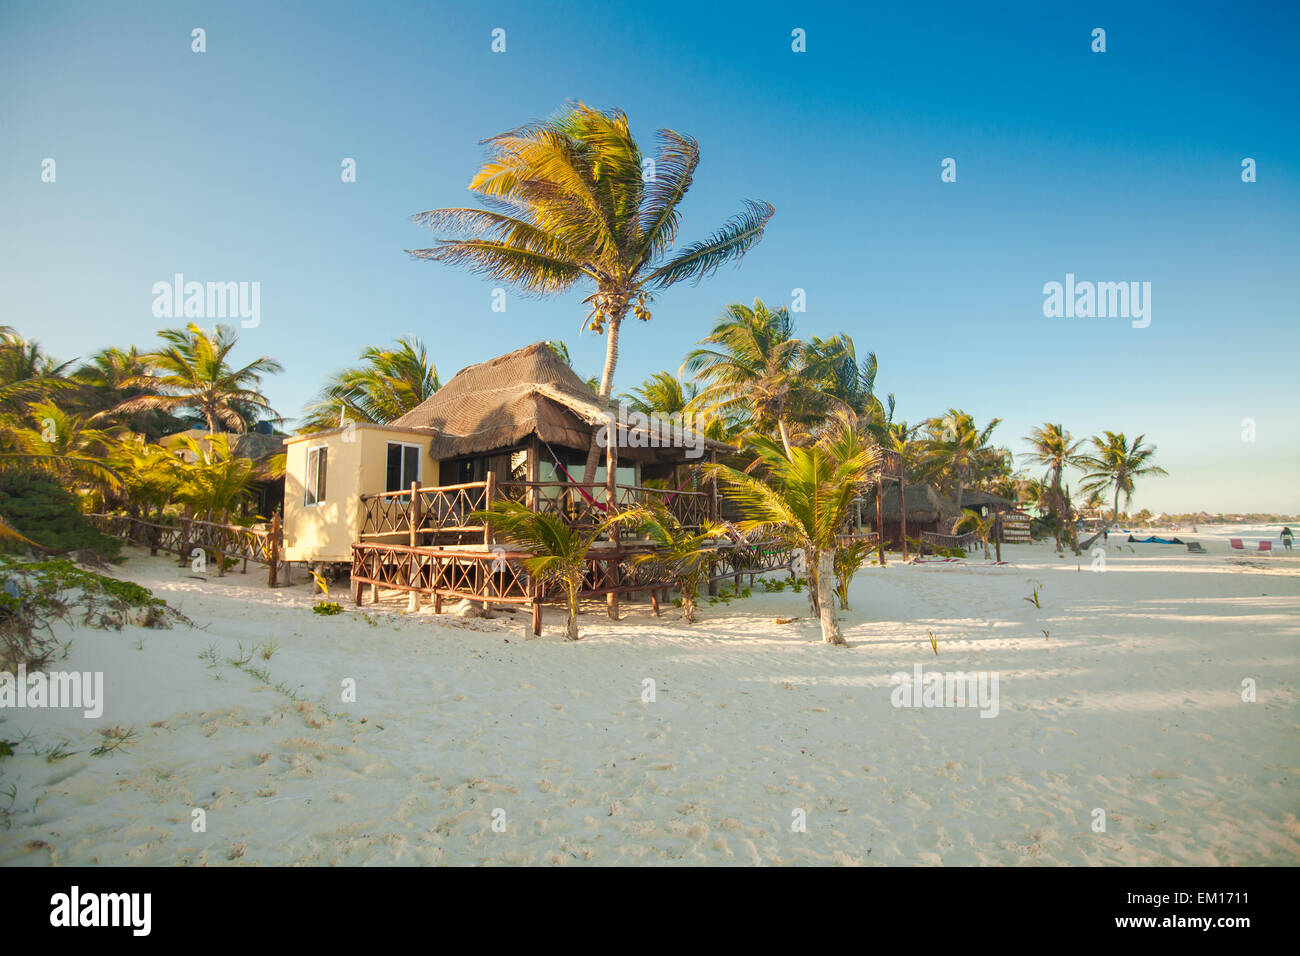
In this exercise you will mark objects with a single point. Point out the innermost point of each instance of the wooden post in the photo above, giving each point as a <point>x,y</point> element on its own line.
<point>534,465</point>
<point>880,520</point>
<point>997,533</point>
<point>273,548</point>
<point>611,506</point>
<point>489,492</point>
<point>902,517</point>
<point>413,565</point>
<point>535,592</point>
<point>713,516</point>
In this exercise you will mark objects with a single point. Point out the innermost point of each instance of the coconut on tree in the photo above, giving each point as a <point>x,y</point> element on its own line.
<point>574,201</point>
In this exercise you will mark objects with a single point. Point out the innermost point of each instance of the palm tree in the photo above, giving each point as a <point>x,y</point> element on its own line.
<point>578,205</point>
<point>150,476</point>
<point>389,383</point>
<point>27,375</point>
<point>982,525</point>
<point>960,449</point>
<point>753,367</point>
<point>1053,446</point>
<point>1116,464</point>
<point>680,553</point>
<point>193,373</point>
<point>559,551</point>
<point>64,442</point>
<point>663,393</point>
<point>851,382</point>
<point>213,479</point>
<point>804,503</point>
<point>112,375</point>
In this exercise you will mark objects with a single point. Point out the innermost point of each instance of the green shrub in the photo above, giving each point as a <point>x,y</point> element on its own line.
<point>48,514</point>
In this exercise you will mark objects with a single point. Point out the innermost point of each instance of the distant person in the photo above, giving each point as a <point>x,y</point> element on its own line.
<point>1286,538</point>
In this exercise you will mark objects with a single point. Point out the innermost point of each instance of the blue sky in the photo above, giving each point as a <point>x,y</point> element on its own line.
<point>1115,166</point>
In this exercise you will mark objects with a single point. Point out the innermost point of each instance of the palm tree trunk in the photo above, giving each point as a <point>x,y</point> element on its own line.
<point>606,389</point>
<point>785,435</point>
<point>826,600</point>
<point>1115,513</point>
<point>571,625</point>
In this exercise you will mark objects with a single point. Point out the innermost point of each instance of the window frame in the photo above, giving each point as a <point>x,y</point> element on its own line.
<point>312,482</point>
<point>419,464</point>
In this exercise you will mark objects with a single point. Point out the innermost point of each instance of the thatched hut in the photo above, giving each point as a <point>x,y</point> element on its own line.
<point>985,503</point>
<point>519,425</point>
<point>927,510</point>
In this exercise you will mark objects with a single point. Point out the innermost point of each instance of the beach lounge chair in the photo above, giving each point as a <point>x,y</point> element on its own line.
<point>1236,545</point>
<point>1266,547</point>
<point>1194,547</point>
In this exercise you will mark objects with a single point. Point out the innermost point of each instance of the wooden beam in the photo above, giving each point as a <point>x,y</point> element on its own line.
<point>902,517</point>
<point>880,520</point>
<point>611,505</point>
<point>273,547</point>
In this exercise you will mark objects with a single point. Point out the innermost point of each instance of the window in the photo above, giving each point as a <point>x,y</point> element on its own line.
<point>315,492</point>
<point>403,465</point>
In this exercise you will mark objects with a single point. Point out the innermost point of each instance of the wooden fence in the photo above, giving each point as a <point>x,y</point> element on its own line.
<point>235,542</point>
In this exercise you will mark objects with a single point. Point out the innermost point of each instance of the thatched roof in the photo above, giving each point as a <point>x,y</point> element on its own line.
<point>971,498</point>
<point>924,504</point>
<point>498,404</point>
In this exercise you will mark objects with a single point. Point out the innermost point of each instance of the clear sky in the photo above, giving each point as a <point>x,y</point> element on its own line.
<point>1115,166</point>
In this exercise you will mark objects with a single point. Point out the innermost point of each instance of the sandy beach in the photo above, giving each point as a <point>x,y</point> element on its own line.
<point>468,744</point>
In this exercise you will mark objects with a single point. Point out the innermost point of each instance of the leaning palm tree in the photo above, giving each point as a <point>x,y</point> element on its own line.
<point>575,201</point>
<point>387,384</point>
<point>682,554</point>
<point>804,502</point>
<point>982,525</point>
<point>559,550</point>
<point>1053,446</point>
<point>1116,464</point>
<point>193,373</point>
<point>753,367</point>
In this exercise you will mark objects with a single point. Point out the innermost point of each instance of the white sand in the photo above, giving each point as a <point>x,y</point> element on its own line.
<point>1132,704</point>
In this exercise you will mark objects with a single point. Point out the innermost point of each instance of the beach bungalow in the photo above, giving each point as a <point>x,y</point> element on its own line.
<point>984,503</point>
<point>396,502</point>
<point>928,511</point>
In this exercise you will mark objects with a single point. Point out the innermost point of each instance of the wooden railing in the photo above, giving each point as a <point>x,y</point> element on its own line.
<point>448,508</point>
<point>964,541</point>
<point>498,576</point>
<point>184,536</point>
<point>440,508</point>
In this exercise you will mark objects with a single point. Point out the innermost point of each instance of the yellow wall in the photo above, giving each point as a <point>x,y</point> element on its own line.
<point>356,465</point>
